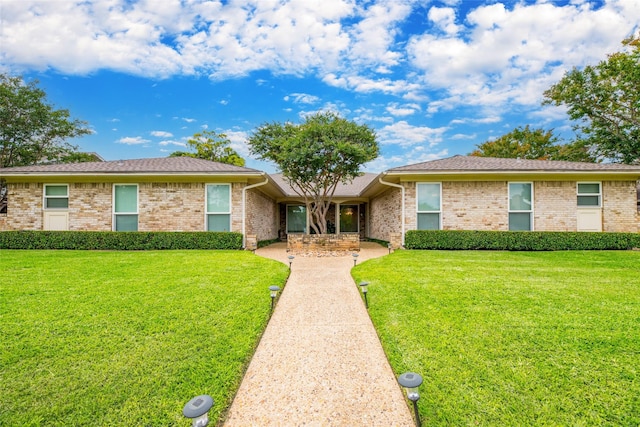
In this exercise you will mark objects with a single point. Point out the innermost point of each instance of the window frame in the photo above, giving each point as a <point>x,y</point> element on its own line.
<point>45,197</point>
<point>520,211</point>
<point>136,213</point>
<point>599,195</point>
<point>208,213</point>
<point>438,212</point>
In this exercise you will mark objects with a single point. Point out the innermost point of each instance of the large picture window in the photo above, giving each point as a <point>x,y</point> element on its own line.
<point>589,195</point>
<point>429,205</point>
<point>296,219</point>
<point>520,206</point>
<point>125,207</point>
<point>56,196</point>
<point>218,209</point>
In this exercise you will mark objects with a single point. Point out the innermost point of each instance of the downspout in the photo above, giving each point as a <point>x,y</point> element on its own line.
<point>244,209</point>
<point>391,184</point>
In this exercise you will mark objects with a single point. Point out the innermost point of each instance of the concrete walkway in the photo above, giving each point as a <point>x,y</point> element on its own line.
<point>320,362</point>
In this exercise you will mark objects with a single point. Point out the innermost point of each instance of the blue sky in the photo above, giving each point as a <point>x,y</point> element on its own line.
<point>432,78</point>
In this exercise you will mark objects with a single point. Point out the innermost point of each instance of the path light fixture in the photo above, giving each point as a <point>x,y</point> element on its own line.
<point>197,410</point>
<point>411,381</point>
<point>355,258</point>
<point>274,293</point>
<point>363,286</point>
<point>291,257</point>
<point>389,247</point>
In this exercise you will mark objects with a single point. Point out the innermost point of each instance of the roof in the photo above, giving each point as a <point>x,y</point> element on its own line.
<point>492,164</point>
<point>163,165</point>
<point>353,189</point>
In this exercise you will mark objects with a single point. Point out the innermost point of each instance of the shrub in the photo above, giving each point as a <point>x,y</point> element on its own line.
<point>519,240</point>
<point>109,240</point>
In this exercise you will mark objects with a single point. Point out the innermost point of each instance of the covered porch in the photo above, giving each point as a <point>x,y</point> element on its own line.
<point>348,216</point>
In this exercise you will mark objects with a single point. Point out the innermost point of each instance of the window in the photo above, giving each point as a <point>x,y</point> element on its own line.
<point>296,219</point>
<point>520,206</point>
<point>218,209</point>
<point>349,219</point>
<point>56,196</point>
<point>125,207</point>
<point>4,197</point>
<point>429,206</point>
<point>589,194</point>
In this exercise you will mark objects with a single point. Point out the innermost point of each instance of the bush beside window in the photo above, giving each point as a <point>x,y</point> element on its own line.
<point>519,241</point>
<point>108,240</point>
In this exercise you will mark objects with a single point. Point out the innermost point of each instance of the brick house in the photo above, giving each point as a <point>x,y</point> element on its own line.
<point>456,193</point>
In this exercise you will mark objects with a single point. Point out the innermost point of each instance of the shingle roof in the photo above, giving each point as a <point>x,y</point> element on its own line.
<point>163,165</point>
<point>488,164</point>
<point>353,189</point>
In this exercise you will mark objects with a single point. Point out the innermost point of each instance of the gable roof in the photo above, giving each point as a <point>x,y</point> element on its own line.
<point>162,165</point>
<point>352,189</point>
<point>488,164</point>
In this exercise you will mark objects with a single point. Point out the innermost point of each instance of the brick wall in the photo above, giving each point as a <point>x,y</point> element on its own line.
<point>474,205</point>
<point>24,209</point>
<point>619,201</point>
<point>161,207</point>
<point>263,216</point>
<point>385,214</point>
<point>555,206</point>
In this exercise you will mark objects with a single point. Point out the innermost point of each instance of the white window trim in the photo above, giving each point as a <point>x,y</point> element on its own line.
<point>206,204</point>
<point>45,197</point>
<point>113,205</point>
<point>578,194</point>
<point>531,212</point>
<point>439,211</point>
<point>306,213</point>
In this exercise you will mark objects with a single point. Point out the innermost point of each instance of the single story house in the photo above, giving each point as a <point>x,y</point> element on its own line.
<point>455,193</point>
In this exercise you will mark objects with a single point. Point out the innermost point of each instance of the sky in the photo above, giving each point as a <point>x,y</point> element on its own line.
<point>433,79</point>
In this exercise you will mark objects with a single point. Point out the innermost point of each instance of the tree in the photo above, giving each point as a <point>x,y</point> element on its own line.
<point>209,145</point>
<point>31,130</point>
<point>537,144</point>
<point>605,100</point>
<point>315,156</point>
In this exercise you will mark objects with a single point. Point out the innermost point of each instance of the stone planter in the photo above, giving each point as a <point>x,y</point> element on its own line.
<point>323,242</point>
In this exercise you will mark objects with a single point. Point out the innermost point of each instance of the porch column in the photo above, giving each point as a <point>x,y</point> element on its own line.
<point>337,217</point>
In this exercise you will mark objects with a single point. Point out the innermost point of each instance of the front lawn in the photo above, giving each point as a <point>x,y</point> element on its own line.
<point>126,338</point>
<point>513,338</point>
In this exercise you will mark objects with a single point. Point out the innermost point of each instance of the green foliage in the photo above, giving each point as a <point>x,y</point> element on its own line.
<point>605,100</point>
<point>512,338</point>
<point>519,240</point>
<point>209,145</point>
<point>95,338</point>
<point>534,144</point>
<point>31,130</point>
<point>109,240</point>
<point>315,156</point>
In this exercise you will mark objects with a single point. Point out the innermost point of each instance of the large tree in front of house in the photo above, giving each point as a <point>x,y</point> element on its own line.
<point>210,145</point>
<point>605,101</point>
<point>316,156</point>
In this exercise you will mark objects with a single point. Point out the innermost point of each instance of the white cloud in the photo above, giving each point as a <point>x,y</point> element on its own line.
<point>172,142</point>
<point>406,135</point>
<point>402,110</point>
<point>132,140</point>
<point>189,120</point>
<point>161,134</point>
<point>302,98</point>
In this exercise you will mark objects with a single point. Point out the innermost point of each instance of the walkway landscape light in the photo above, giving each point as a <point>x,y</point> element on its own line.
<point>355,259</point>
<point>291,257</point>
<point>363,286</point>
<point>197,410</point>
<point>411,381</point>
<point>389,247</point>
<point>274,293</point>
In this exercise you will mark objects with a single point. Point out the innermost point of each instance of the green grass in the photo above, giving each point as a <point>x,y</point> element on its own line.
<point>126,338</point>
<point>513,338</point>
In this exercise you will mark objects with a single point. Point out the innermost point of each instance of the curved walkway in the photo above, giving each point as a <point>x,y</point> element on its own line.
<point>319,362</point>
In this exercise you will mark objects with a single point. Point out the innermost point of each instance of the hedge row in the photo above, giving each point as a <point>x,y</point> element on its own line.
<point>519,240</point>
<point>122,241</point>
